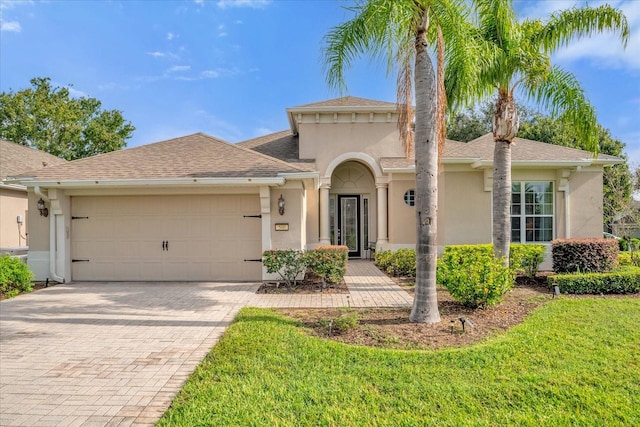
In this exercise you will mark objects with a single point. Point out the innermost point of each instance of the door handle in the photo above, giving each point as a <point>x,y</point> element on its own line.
<point>165,245</point>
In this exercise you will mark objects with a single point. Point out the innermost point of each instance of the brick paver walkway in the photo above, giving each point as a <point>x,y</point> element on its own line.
<point>115,354</point>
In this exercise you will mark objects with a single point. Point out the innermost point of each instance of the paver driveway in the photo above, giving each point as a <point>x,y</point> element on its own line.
<point>107,353</point>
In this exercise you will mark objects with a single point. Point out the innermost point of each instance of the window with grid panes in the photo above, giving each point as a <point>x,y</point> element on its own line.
<point>531,211</point>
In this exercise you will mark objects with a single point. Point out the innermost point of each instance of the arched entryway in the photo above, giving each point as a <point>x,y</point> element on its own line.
<point>352,213</point>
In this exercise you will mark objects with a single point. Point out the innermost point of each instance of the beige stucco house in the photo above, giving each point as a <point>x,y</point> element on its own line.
<point>16,159</point>
<point>198,208</point>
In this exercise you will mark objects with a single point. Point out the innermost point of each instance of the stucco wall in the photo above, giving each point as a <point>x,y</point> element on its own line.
<point>402,217</point>
<point>295,237</point>
<point>468,209</point>
<point>585,204</point>
<point>13,203</point>
<point>326,141</point>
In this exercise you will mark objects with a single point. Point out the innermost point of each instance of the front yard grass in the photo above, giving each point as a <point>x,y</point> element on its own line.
<point>572,362</point>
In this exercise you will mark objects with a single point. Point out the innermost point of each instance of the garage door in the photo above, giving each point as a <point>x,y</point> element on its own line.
<point>170,238</point>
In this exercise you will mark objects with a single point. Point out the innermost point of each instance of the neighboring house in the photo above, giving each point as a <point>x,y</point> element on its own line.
<point>627,223</point>
<point>198,208</point>
<point>16,159</point>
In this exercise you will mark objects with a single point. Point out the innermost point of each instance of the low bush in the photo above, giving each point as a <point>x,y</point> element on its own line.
<point>632,244</point>
<point>383,259</point>
<point>289,264</point>
<point>584,255</point>
<point>15,276</point>
<point>629,258</point>
<point>399,263</point>
<point>527,258</point>
<point>626,281</point>
<point>328,262</point>
<point>473,276</point>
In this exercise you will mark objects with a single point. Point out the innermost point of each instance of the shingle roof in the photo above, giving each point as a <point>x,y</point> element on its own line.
<point>192,156</point>
<point>523,150</point>
<point>281,145</point>
<point>16,159</point>
<point>349,101</point>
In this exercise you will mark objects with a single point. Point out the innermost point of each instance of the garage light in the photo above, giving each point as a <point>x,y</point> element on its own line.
<point>281,205</point>
<point>43,210</point>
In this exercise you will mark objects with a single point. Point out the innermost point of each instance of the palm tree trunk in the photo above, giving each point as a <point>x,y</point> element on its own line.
<point>425,302</point>
<point>505,126</point>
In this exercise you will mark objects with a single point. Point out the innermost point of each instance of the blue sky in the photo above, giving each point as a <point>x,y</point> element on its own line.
<point>230,68</point>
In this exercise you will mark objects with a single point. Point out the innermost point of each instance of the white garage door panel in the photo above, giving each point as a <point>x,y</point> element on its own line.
<point>208,238</point>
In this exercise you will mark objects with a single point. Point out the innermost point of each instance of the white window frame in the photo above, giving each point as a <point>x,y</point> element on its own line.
<point>523,215</point>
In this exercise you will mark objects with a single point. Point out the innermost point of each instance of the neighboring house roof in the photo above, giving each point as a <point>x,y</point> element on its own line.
<point>192,156</point>
<point>281,145</point>
<point>16,159</point>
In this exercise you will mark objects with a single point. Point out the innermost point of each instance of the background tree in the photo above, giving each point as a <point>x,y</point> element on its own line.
<point>51,120</point>
<point>400,31</point>
<point>516,55</point>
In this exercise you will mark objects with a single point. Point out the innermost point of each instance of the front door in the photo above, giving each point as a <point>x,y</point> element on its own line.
<point>349,224</point>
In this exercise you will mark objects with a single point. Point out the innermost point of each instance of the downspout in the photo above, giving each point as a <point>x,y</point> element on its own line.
<point>52,238</point>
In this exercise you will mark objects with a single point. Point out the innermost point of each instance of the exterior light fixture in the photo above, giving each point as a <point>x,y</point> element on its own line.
<point>43,210</point>
<point>281,205</point>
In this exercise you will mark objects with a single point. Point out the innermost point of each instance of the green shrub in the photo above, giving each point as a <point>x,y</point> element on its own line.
<point>632,244</point>
<point>288,263</point>
<point>328,262</point>
<point>473,276</point>
<point>526,258</point>
<point>629,258</point>
<point>383,259</point>
<point>584,255</point>
<point>345,321</point>
<point>626,281</point>
<point>15,276</point>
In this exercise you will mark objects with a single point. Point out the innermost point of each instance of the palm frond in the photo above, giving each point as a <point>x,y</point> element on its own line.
<point>568,25</point>
<point>563,96</point>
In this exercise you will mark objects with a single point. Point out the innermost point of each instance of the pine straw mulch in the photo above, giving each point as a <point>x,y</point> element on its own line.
<point>390,327</point>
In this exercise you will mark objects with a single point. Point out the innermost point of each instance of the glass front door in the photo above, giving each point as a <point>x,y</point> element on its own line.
<point>349,224</point>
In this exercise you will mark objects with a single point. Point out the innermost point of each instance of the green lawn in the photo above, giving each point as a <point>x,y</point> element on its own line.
<point>573,362</point>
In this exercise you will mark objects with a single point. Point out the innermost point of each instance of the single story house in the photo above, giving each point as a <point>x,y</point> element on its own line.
<point>197,208</point>
<point>16,159</point>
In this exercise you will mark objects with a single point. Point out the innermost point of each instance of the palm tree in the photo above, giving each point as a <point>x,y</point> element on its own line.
<point>400,32</point>
<point>516,56</point>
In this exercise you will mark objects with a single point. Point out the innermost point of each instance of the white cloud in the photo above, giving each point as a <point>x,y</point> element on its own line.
<point>179,68</point>
<point>210,74</point>
<point>171,36</point>
<point>256,4</point>
<point>263,131</point>
<point>10,26</point>
<point>77,93</point>
<point>167,55</point>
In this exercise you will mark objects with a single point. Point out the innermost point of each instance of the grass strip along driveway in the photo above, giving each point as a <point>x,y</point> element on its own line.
<point>572,362</point>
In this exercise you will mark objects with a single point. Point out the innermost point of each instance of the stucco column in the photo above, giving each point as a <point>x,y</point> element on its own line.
<point>383,237</point>
<point>324,214</point>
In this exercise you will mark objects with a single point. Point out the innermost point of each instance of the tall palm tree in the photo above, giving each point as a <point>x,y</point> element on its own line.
<point>516,56</point>
<point>400,32</point>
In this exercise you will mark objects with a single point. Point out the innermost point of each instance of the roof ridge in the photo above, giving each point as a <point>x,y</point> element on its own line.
<point>268,157</point>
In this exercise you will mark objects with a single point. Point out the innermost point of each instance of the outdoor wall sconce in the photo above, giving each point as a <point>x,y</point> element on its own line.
<point>281,205</point>
<point>43,210</point>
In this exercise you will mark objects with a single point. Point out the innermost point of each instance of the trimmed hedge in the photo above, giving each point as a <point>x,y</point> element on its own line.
<point>473,276</point>
<point>399,263</point>
<point>629,258</point>
<point>328,262</point>
<point>584,255</point>
<point>15,276</point>
<point>626,281</point>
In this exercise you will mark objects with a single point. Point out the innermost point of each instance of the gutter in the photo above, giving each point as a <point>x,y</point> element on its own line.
<point>174,182</point>
<point>315,176</point>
